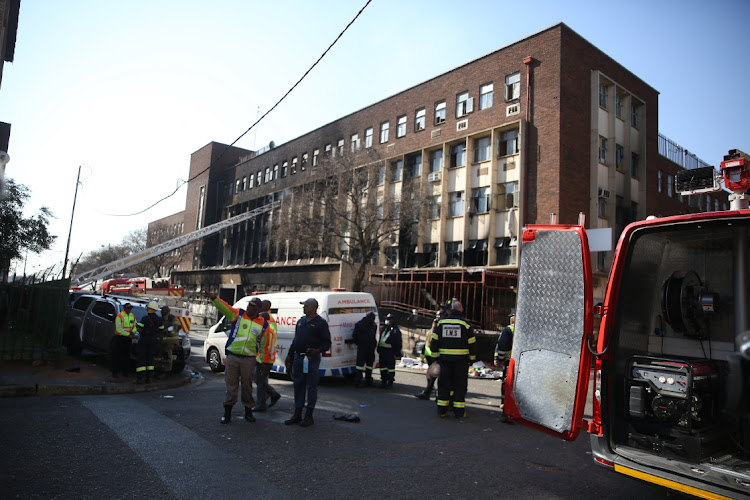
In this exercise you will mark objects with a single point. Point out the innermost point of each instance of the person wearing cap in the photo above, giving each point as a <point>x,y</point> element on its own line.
<point>247,327</point>
<point>149,327</point>
<point>502,357</point>
<point>454,343</point>
<point>389,348</point>
<point>124,330</point>
<point>167,339</point>
<point>428,356</point>
<point>264,361</point>
<point>311,339</point>
<point>365,338</point>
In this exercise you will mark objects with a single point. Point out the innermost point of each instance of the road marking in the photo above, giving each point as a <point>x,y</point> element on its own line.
<point>199,466</point>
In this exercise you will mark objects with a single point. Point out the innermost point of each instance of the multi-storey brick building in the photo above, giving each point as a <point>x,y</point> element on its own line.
<point>547,125</point>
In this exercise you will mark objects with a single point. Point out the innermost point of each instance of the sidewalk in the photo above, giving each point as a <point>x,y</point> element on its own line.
<point>85,375</point>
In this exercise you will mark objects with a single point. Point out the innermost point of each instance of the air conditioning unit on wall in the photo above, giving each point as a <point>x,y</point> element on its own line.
<point>433,176</point>
<point>603,193</point>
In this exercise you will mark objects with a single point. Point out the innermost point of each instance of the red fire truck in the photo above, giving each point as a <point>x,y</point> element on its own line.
<point>661,381</point>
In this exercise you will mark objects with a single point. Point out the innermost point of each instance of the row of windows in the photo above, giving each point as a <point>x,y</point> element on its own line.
<point>619,99</point>
<point>464,106</point>
<point>508,144</point>
<point>619,157</point>
<point>481,201</point>
<point>475,254</point>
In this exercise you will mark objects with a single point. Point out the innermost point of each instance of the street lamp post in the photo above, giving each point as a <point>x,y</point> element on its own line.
<point>67,247</point>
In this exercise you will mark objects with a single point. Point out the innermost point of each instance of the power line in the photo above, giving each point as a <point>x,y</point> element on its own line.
<point>254,124</point>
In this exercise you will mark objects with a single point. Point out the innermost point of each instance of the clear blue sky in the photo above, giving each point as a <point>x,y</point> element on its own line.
<point>130,90</point>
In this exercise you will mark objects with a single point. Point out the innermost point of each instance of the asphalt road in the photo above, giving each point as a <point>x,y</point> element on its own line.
<point>171,445</point>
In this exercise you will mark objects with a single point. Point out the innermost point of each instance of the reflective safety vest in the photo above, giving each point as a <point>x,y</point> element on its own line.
<point>267,343</point>
<point>125,324</point>
<point>242,339</point>
<point>453,339</point>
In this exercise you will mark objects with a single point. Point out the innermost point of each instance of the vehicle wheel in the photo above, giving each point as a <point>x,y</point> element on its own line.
<point>178,366</point>
<point>74,343</point>
<point>214,360</point>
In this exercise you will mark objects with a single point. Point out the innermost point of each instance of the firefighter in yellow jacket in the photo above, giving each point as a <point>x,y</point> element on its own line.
<point>454,343</point>
<point>124,330</point>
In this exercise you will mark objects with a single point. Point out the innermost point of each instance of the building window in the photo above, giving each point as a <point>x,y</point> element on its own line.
<point>231,188</point>
<point>275,173</point>
<point>482,151</point>
<point>464,105</point>
<point>480,200</point>
<point>201,204</point>
<point>439,112</point>
<point>391,256</point>
<point>294,165</point>
<point>384,132</point>
<point>381,175</point>
<point>602,207</point>
<point>485,96</point>
<point>633,211</point>
<point>603,90</point>
<point>456,204</point>
<point>602,149</point>
<point>327,150</point>
<point>368,138</point>
<point>619,154</point>
<point>250,182</point>
<point>303,163</point>
<point>397,169</point>
<point>419,116</point>
<point>316,153</point>
<point>513,86</point>
<point>504,251</point>
<point>634,115</point>
<point>414,163</point>
<point>434,206</point>
<point>340,147</point>
<point>259,178</point>
<point>453,253</point>
<point>354,142</point>
<point>238,186</point>
<point>506,195</point>
<point>634,164</point>
<point>670,185</point>
<point>401,126</point>
<point>458,155</point>
<point>618,105</point>
<point>620,216</point>
<point>436,160</point>
<point>267,177</point>
<point>508,143</point>
<point>659,179</point>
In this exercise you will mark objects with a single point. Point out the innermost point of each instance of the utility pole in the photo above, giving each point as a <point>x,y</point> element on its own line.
<point>67,247</point>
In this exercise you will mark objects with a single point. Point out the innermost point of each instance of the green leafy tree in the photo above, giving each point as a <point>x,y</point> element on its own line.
<point>17,233</point>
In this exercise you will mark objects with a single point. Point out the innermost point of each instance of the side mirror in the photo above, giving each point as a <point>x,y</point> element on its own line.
<point>111,317</point>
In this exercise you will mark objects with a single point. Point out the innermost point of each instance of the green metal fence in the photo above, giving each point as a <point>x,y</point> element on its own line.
<point>31,320</point>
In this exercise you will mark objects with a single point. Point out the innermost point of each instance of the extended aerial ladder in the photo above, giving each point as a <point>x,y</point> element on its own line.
<point>178,242</point>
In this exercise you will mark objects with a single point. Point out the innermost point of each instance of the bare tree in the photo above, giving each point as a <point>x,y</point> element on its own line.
<point>161,265</point>
<point>356,205</point>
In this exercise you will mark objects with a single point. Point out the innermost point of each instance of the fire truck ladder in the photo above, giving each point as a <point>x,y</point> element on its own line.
<point>114,266</point>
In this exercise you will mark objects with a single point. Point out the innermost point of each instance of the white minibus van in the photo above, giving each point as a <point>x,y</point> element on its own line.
<point>340,309</point>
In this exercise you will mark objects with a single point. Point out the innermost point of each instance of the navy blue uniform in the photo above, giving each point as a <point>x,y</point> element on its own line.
<point>365,337</point>
<point>389,347</point>
<point>149,327</point>
<point>308,334</point>
<point>455,345</point>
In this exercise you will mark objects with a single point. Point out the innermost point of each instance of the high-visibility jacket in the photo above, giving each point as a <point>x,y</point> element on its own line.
<point>453,339</point>
<point>125,324</point>
<point>267,345</point>
<point>243,336</point>
<point>391,339</point>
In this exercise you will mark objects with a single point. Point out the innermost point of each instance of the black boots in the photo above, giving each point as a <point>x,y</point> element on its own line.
<point>296,418</point>
<point>249,415</point>
<point>227,415</point>
<point>308,420</point>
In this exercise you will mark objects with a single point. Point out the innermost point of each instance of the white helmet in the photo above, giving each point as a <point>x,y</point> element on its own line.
<point>152,305</point>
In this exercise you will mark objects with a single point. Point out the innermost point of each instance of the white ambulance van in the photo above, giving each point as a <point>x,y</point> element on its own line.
<point>340,309</point>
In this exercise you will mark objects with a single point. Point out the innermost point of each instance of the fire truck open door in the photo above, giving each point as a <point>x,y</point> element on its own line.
<point>548,376</point>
